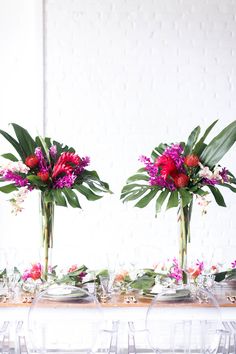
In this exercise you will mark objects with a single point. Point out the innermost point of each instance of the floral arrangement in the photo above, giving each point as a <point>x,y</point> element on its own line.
<point>46,165</point>
<point>52,168</point>
<point>177,172</point>
<point>182,170</point>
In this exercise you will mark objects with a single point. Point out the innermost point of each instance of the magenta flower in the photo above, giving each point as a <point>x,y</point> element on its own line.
<point>233,264</point>
<point>200,265</point>
<point>176,271</point>
<point>66,181</point>
<point>175,152</point>
<point>155,179</point>
<point>42,162</point>
<point>53,151</point>
<point>85,161</point>
<point>224,174</point>
<point>17,179</point>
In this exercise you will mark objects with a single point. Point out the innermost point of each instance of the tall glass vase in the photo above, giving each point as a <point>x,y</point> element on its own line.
<point>184,236</point>
<point>47,214</point>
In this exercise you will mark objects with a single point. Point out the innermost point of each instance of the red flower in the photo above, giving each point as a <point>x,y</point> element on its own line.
<point>65,163</point>
<point>44,176</point>
<point>194,272</point>
<point>35,271</point>
<point>31,161</point>
<point>191,160</point>
<point>167,166</point>
<point>181,180</point>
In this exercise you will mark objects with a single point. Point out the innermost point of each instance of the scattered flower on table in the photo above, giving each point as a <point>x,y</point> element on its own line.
<point>195,271</point>
<point>175,271</point>
<point>35,272</point>
<point>233,264</point>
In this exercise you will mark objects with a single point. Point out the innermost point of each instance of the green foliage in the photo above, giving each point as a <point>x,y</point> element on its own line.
<point>8,188</point>
<point>219,146</point>
<point>192,140</point>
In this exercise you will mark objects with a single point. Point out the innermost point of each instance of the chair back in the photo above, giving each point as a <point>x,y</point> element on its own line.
<point>186,320</point>
<point>64,318</point>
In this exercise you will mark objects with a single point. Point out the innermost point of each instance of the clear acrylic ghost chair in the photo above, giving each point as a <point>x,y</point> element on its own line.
<point>65,319</point>
<point>185,321</point>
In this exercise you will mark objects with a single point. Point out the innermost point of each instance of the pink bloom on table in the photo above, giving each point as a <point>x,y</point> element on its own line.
<point>200,265</point>
<point>197,270</point>
<point>176,271</point>
<point>121,276</point>
<point>214,269</point>
<point>82,274</point>
<point>34,272</point>
<point>233,264</point>
<point>73,268</point>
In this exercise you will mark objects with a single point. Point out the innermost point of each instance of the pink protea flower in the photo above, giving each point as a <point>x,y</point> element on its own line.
<point>65,164</point>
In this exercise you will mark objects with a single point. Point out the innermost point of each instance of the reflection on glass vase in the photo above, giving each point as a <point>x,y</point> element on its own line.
<point>47,215</point>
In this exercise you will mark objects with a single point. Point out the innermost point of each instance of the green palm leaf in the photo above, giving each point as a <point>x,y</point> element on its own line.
<point>14,143</point>
<point>200,146</point>
<point>191,140</point>
<point>26,142</point>
<point>146,200</point>
<point>217,195</point>
<point>219,146</point>
<point>160,200</point>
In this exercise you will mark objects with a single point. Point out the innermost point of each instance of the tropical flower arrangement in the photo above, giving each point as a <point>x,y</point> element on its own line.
<point>54,169</point>
<point>177,172</point>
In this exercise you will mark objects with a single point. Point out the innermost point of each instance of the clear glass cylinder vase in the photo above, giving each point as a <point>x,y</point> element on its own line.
<point>185,212</point>
<point>47,215</point>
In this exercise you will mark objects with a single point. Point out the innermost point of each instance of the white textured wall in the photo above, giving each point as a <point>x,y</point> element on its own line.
<point>123,76</point>
<point>20,102</point>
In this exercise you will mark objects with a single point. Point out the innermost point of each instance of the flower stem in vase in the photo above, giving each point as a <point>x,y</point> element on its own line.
<point>184,239</point>
<point>47,210</point>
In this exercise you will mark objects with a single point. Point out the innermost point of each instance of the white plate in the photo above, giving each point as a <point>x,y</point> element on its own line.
<point>178,296</point>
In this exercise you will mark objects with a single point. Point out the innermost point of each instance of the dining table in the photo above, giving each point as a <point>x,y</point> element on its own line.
<point>124,312</point>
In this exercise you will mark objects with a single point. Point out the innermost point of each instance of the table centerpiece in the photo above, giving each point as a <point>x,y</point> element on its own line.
<point>177,172</point>
<point>52,168</point>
